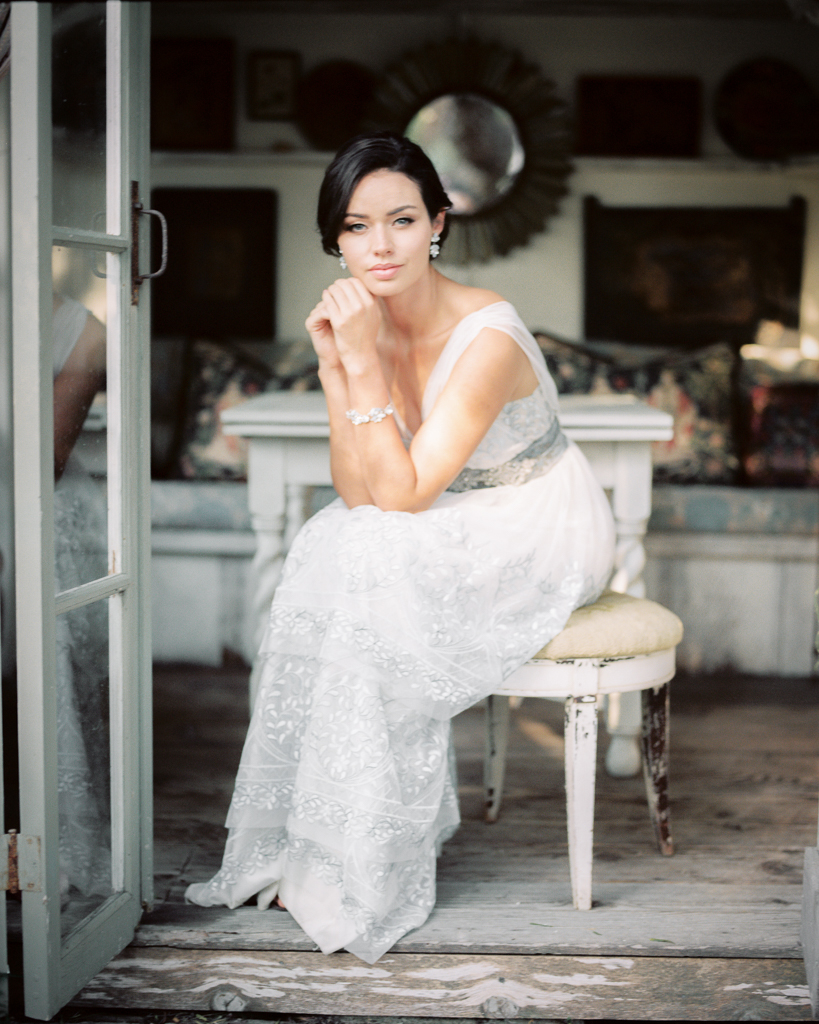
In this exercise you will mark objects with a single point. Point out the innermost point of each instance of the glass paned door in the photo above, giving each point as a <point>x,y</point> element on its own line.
<point>78,109</point>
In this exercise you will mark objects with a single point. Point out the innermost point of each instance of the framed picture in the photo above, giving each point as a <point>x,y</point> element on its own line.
<point>688,276</point>
<point>635,116</point>
<point>272,80</point>
<point>192,94</point>
<point>220,281</point>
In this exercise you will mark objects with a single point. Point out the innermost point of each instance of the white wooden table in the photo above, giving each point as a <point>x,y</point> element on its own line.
<point>289,451</point>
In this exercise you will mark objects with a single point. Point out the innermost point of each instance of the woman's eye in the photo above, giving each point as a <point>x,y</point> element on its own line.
<point>358,228</point>
<point>404,220</point>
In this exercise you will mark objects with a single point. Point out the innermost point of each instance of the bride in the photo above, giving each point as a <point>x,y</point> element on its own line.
<point>466,532</point>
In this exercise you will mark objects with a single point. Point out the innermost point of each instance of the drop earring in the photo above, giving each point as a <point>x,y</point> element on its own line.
<point>434,248</point>
<point>342,261</point>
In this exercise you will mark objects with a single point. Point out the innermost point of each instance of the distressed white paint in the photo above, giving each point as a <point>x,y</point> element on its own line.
<point>746,599</point>
<point>549,986</point>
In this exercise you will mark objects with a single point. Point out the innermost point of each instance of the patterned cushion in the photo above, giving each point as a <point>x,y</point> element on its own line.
<point>695,387</point>
<point>615,626</point>
<point>221,378</point>
<point>782,435</point>
<point>779,390</point>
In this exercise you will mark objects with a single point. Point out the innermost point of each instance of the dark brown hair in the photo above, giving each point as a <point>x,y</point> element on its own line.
<point>376,151</point>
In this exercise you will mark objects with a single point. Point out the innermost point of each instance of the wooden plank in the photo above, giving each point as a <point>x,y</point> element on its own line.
<point>536,987</point>
<point>810,923</point>
<point>638,919</point>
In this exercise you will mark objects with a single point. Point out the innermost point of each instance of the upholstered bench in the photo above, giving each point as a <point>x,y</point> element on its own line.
<point>616,645</point>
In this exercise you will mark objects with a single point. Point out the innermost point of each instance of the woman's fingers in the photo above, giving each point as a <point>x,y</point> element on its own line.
<point>350,295</point>
<point>315,316</point>
<point>349,315</point>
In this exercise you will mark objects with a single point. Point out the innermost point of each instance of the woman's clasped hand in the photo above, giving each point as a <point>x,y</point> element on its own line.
<point>344,326</point>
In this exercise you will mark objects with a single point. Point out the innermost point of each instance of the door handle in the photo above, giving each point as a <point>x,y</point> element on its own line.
<point>137,209</point>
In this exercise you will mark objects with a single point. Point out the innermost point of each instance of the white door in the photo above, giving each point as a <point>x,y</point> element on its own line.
<point>79,104</point>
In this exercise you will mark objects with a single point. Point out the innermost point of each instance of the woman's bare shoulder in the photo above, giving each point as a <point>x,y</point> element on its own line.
<point>469,300</point>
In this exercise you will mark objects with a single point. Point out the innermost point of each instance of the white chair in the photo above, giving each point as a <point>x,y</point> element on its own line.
<point>616,645</point>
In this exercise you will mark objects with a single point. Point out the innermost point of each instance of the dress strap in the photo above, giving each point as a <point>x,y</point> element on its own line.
<point>500,316</point>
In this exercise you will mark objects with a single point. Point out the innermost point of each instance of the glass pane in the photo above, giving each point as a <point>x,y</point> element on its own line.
<point>83,762</point>
<point>80,427</point>
<point>79,114</point>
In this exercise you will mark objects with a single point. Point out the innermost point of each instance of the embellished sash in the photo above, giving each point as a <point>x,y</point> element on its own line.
<point>532,462</point>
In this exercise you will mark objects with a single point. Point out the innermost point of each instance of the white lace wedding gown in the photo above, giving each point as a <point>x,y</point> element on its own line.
<point>384,626</point>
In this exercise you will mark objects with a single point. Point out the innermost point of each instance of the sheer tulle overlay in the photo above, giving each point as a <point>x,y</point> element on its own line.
<point>384,626</point>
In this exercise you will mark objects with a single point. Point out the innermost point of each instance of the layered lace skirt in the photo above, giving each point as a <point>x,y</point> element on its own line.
<point>384,626</point>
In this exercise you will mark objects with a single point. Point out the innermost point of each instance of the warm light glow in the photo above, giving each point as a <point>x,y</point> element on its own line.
<point>781,358</point>
<point>776,335</point>
<point>809,346</point>
<point>810,310</point>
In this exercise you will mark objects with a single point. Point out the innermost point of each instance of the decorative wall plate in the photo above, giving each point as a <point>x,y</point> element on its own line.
<point>767,110</point>
<point>468,71</point>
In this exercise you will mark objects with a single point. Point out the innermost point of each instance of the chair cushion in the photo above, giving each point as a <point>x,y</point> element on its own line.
<point>615,626</point>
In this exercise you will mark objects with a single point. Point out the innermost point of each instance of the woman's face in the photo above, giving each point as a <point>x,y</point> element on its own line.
<point>386,234</point>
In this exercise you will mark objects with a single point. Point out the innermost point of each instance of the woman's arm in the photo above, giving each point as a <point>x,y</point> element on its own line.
<point>82,376</point>
<point>345,467</point>
<point>482,382</point>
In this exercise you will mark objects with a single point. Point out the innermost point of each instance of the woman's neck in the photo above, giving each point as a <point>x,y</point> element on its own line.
<point>417,313</point>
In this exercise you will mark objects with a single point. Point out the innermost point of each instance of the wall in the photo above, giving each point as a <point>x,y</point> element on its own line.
<point>751,581</point>
<point>543,279</point>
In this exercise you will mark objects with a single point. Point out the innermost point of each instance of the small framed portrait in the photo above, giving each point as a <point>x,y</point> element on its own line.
<point>272,80</point>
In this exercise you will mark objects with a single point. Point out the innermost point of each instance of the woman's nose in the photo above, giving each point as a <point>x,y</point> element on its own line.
<point>381,240</point>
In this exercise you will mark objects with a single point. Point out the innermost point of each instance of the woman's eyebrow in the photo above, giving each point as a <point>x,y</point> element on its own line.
<point>390,213</point>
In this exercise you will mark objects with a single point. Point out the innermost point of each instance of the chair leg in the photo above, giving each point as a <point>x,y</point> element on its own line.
<point>494,761</point>
<point>656,721</point>
<point>581,762</point>
<point>623,717</point>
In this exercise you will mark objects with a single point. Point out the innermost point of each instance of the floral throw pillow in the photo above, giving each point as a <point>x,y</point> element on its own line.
<point>782,435</point>
<point>221,378</point>
<point>779,390</point>
<point>695,386</point>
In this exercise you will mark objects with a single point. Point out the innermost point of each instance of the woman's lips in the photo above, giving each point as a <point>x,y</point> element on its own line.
<point>384,271</point>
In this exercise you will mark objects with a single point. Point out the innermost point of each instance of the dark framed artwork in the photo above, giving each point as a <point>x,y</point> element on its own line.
<point>633,116</point>
<point>271,81</point>
<point>220,281</point>
<point>689,276</point>
<point>192,94</point>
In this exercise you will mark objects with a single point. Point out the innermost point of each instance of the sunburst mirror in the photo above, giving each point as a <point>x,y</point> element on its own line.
<point>496,132</point>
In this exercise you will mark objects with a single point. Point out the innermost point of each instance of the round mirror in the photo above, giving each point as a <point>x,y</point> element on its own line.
<point>496,132</point>
<point>474,145</point>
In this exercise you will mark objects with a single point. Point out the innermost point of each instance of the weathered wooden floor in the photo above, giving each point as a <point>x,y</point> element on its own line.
<point>709,934</point>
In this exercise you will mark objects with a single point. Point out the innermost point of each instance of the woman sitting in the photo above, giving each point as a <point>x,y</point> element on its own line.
<point>467,530</point>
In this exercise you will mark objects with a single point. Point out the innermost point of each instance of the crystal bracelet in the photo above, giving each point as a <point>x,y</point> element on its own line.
<point>375,415</point>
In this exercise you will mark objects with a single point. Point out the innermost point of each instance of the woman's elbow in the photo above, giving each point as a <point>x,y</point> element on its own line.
<point>403,502</point>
